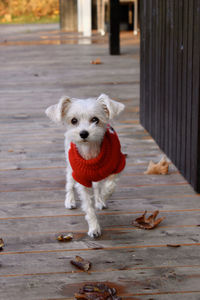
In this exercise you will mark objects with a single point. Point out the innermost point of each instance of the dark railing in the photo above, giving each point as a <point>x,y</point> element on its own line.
<point>170,80</point>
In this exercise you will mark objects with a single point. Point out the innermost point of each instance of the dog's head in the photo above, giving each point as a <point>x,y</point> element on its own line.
<point>85,119</point>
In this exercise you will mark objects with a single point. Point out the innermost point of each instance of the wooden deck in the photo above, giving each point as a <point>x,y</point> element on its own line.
<point>33,265</point>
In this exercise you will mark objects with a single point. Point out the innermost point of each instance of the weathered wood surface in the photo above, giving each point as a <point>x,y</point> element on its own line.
<point>33,265</point>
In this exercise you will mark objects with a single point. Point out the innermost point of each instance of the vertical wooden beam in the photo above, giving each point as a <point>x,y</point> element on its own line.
<point>68,15</point>
<point>189,90</point>
<point>142,63</point>
<point>135,17</point>
<point>195,131</point>
<point>99,3</point>
<point>85,17</point>
<point>80,15</point>
<point>114,39</point>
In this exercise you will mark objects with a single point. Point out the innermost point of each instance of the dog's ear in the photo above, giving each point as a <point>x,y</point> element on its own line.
<point>56,112</point>
<point>112,108</point>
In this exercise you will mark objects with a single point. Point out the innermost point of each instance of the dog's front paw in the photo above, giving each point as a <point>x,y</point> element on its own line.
<point>100,204</point>
<point>95,232</point>
<point>70,202</point>
<point>70,205</point>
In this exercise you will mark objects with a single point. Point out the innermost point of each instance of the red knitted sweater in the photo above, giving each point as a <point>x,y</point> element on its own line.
<point>109,161</point>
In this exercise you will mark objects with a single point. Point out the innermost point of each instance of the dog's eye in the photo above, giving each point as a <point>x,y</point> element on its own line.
<point>74,121</point>
<point>95,120</point>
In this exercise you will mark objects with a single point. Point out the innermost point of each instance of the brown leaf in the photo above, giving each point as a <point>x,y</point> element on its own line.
<point>1,244</point>
<point>97,61</point>
<point>148,223</point>
<point>81,263</point>
<point>65,238</point>
<point>161,168</point>
<point>173,245</point>
<point>96,291</point>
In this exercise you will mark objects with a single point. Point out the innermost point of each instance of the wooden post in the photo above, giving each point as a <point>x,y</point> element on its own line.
<point>68,15</point>
<point>114,39</point>
<point>135,32</point>
<point>87,18</point>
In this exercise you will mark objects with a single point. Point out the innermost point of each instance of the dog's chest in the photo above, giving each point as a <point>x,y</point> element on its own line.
<point>89,150</point>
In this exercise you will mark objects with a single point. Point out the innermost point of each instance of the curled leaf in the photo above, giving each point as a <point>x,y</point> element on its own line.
<point>1,244</point>
<point>96,291</point>
<point>148,223</point>
<point>81,263</point>
<point>97,61</point>
<point>161,168</point>
<point>65,238</point>
<point>173,245</point>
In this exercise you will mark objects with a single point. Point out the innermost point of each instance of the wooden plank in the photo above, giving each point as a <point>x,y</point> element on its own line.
<point>171,74</point>
<point>150,282</point>
<point>162,74</point>
<point>195,100</point>
<point>166,84</point>
<point>41,206</point>
<point>184,100</point>
<point>59,262</point>
<point>157,66</point>
<point>150,65</point>
<point>189,92</point>
<point>38,233</point>
<point>175,83</point>
<point>140,179</point>
<point>142,58</point>
<point>153,68</point>
<point>149,194</point>
<point>147,62</point>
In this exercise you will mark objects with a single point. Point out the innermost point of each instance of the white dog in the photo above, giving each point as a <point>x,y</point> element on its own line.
<point>93,154</point>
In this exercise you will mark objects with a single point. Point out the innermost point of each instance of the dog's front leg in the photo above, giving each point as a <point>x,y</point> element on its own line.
<point>99,200</point>
<point>86,196</point>
<point>109,186</point>
<point>70,202</point>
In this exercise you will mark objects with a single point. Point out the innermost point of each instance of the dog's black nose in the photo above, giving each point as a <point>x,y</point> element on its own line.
<point>84,134</point>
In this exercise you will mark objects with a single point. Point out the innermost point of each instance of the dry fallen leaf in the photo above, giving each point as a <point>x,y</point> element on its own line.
<point>173,245</point>
<point>97,61</point>
<point>81,263</point>
<point>96,291</point>
<point>65,238</point>
<point>160,168</point>
<point>1,244</point>
<point>148,223</point>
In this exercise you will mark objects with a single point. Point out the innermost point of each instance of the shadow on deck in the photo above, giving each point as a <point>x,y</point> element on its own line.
<point>33,264</point>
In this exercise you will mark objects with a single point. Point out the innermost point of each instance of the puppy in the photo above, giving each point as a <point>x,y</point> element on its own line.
<point>93,152</point>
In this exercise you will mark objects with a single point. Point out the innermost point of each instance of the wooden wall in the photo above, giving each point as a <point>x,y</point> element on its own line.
<point>170,81</point>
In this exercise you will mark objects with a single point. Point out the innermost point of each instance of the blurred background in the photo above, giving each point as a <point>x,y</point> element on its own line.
<point>72,15</point>
<point>29,11</point>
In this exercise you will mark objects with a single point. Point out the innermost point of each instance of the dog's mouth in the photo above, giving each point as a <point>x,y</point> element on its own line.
<point>83,141</point>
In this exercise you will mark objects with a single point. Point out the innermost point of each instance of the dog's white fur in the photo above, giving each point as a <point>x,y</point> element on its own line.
<point>84,110</point>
